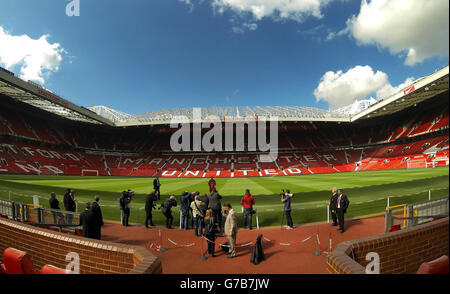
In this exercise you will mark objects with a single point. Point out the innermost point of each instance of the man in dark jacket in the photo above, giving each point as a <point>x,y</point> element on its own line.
<point>216,207</point>
<point>166,209</point>
<point>97,219</point>
<point>149,205</point>
<point>70,204</point>
<point>342,204</point>
<point>205,200</point>
<point>54,204</point>
<point>87,221</point>
<point>333,202</point>
<point>66,199</point>
<point>156,186</point>
<point>185,207</point>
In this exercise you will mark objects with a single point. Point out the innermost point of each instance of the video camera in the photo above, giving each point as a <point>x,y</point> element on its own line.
<point>125,197</point>
<point>127,194</point>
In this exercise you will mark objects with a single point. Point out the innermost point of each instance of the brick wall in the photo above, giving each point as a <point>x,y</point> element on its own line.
<point>400,252</point>
<point>96,257</point>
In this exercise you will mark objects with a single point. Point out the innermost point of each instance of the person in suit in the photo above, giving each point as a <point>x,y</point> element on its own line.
<point>98,218</point>
<point>166,209</point>
<point>216,207</point>
<point>87,221</point>
<point>333,202</point>
<point>156,186</point>
<point>70,204</point>
<point>149,205</point>
<point>210,232</point>
<point>342,204</point>
<point>231,228</point>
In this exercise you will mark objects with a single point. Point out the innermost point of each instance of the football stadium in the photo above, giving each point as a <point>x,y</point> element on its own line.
<point>388,158</point>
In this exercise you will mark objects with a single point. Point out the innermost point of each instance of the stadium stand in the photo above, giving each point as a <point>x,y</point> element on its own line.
<point>35,140</point>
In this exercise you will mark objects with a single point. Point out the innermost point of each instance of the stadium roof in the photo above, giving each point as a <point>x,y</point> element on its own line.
<point>37,96</point>
<point>33,94</point>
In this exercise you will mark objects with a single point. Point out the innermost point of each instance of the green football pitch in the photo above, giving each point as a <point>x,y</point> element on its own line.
<point>366,190</point>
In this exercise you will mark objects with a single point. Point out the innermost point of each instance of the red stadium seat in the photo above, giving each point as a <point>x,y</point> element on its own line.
<point>52,270</point>
<point>17,262</point>
<point>395,228</point>
<point>437,266</point>
<point>79,232</point>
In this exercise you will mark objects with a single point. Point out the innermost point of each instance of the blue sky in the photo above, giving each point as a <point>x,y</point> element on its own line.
<point>139,55</point>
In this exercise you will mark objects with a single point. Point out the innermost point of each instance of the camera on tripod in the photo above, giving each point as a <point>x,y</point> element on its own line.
<point>125,198</point>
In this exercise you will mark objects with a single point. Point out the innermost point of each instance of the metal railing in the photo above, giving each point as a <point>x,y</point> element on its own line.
<point>417,213</point>
<point>37,215</point>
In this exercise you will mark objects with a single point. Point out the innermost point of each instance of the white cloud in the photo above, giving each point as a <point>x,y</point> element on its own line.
<point>416,29</point>
<point>296,10</point>
<point>340,89</point>
<point>239,27</point>
<point>246,13</point>
<point>36,57</point>
<point>388,90</point>
<point>188,3</point>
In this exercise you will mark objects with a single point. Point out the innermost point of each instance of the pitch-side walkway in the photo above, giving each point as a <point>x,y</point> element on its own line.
<point>287,251</point>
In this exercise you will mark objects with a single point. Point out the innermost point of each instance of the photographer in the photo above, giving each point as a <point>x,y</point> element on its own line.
<point>149,205</point>
<point>185,207</point>
<point>247,201</point>
<point>198,207</point>
<point>286,198</point>
<point>216,207</point>
<point>156,186</point>
<point>166,209</point>
<point>210,232</point>
<point>125,201</point>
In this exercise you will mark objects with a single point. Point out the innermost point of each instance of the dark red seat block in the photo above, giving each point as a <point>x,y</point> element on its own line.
<point>437,266</point>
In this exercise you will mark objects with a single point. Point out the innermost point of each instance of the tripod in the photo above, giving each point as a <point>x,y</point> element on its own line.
<point>282,219</point>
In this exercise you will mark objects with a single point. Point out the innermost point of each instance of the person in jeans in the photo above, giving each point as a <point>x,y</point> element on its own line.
<point>197,213</point>
<point>247,201</point>
<point>286,198</point>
